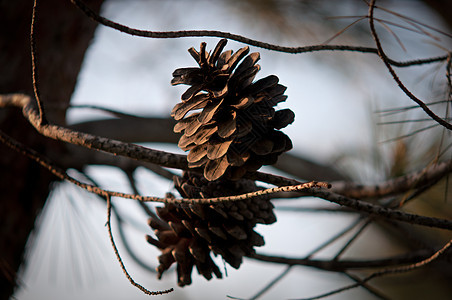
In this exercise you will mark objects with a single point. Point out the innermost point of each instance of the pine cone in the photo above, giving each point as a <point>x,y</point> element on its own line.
<point>237,128</point>
<point>187,234</point>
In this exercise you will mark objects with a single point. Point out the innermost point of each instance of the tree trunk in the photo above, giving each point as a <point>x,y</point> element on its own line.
<point>63,34</point>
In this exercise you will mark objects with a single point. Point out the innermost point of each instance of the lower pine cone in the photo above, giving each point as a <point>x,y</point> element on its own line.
<point>187,233</point>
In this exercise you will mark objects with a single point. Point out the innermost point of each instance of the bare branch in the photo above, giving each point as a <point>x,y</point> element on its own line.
<point>390,187</point>
<point>384,58</point>
<point>24,102</point>
<point>365,207</point>
<point>161,130</point>
<point>272,283</point>
<point>158,130</point>
<point>34,71</point>
<point>368,288</point>
<point>400,269</point>
<point>353,238</point>
<point>345,264</point>
<point>118,257</point>
<point>334,238</point>
<point>214,33</point>
<point>380,211</point>
<point>394,186</point>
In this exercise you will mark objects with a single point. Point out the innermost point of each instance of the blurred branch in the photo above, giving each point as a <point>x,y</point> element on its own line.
<point>387,271</point>
<point>307,169</point>
<point>367,287</point>
<point>414,180</point>
<point>214,33</point>
<point>345,264</point>
<point>334,238</point>
<point>418,179</point>
<point>56,132</point>
<point>160,130</point>
<point>272,283</point>
<point>380,211</point>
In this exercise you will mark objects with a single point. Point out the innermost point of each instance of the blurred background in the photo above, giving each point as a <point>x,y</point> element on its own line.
<point>350,117</point>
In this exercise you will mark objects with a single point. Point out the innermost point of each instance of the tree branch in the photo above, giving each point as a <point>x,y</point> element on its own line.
<point>121,263</point>
<point>161,130</point>
<point>86,140</point>
<point>417,179</point>
<point>158,130</point>
<point>214,33</point>
<point>400,269</point>
<point>344,264</point>
<point>34,71</point>
<point>390,187</point>
<point>384,58</point>
<point>380,211</point>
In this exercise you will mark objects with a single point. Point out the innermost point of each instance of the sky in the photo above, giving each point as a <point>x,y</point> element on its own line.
<point>333,97</point>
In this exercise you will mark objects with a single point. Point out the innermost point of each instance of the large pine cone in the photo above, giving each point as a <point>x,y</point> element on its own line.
<point>237,128</point>
<point>188,233</point>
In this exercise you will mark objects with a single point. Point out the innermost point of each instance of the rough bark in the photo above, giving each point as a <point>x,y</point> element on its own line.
<point>63,35</point>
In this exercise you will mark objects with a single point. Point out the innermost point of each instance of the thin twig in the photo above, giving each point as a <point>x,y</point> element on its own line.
<point>394,186</point>
<point>334,238</point>
<point>126,244</point>
<point>367,287</point>
<point>380,211</point>
<point>353,238</point>
<point>143,205</point>
<point>414,21</point>
<point>343,30</point>
<point>397,270</point>
<point>347,264</point>
<point>384,58</point>
<point>272,283</point>
<point>118,256</point>
<point>214,33</point>
<point>34,71</point>
<point>410,134</point>
<point>390,187</point>
<point>392,33</point>
<point>416,30</point>
<point>408,121</point>
<point>391,111</point>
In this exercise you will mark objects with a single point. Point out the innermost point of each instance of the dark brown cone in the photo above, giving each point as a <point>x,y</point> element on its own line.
<point>228,122</point>
<point>187,234</point>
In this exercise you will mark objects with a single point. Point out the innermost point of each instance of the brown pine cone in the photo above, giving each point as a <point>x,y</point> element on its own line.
<point>233,127</point>
<point>188,233</point>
